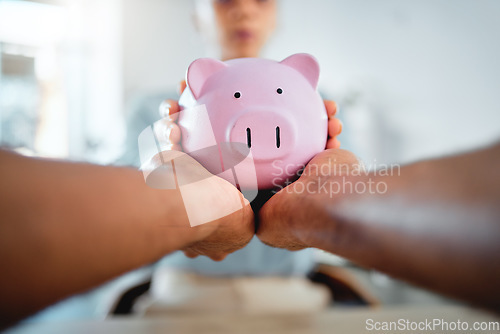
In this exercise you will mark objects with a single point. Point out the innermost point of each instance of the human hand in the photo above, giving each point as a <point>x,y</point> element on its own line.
<point>172,138</point>
<point>169,112</point>
<point>221,217</point>
<point>334,125</point>
<point>293,217</point>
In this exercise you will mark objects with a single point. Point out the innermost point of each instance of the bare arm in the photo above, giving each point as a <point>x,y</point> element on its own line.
<point>67,227</point>
<point>436,225</point>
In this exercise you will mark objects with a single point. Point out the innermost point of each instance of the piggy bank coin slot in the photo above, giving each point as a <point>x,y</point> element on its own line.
<point>249,138</point>
<point>278,137</point>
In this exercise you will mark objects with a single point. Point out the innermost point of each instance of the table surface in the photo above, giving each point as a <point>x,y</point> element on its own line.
<point>336,320</point>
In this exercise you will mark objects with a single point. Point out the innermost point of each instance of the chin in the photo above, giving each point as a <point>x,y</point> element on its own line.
<point>247,51</point>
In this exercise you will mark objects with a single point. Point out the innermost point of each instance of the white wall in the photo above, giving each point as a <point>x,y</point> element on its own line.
<point>93,56</point>
<point>413,78</point>
<point>427,71</point>
<point>160,42</point>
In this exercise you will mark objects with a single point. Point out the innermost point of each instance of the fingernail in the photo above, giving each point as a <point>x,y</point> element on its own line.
<point>164,109</point>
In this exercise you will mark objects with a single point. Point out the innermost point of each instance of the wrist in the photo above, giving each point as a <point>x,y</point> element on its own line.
<point>331,208</point>
<point>174,229</point>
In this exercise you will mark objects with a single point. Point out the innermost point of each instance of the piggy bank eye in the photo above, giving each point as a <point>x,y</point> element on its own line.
<point>237,95</point>
<point>279,91</point>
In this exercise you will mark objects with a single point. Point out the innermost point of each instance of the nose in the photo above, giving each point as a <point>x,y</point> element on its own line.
<point>243,9</point>
<point>268,134</point>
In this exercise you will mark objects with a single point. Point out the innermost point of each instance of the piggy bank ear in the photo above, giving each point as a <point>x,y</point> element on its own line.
<point>306,64</point>
<point>199,71</point>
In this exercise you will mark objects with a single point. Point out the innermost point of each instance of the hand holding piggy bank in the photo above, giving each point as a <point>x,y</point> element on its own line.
<point>271,109</point>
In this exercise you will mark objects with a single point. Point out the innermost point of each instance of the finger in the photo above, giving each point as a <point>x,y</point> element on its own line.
<point>176,147</point>
<point>190,254</point>
<point>167,132</point>
<point>182,86</point>
<point>175,134</point>
<point>173,116</point>
<point>331,108</point>
<point>169,109</point>
<point>218,257</point>
<point>334,127</point>
<point>332,143</point>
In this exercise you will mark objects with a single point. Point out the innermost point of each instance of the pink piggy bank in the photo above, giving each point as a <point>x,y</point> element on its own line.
<point>254,122</point>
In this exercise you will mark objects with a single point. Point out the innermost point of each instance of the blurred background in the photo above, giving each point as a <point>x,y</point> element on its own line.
<point>413,79</point>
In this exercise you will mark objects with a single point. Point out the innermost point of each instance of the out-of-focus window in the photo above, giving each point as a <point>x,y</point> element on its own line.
<point>60,78</point>
<point>32,111</point>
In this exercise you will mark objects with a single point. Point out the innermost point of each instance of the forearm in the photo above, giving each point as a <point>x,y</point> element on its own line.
<point>67,227</point>
<point>437,225</point>
<point>434,223</point>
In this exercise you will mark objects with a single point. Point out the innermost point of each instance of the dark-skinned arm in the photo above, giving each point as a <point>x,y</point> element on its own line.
<point>433,223</point>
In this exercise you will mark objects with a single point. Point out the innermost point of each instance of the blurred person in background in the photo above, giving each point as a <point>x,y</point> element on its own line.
<point>234,29</point>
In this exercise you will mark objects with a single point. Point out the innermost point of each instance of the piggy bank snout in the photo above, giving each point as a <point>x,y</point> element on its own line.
<point>268,134</point>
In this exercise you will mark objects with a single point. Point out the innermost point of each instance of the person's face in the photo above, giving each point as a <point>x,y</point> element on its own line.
<point>244,26</point>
